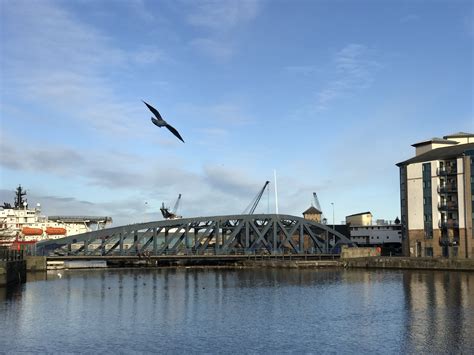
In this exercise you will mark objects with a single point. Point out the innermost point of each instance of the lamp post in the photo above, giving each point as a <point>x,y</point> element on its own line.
<point>333,222</point>
<point>146,205</point>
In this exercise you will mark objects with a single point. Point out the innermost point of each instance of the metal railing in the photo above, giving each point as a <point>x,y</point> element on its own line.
<point>446,171</point>
<point>11,255</point>
<point>448,206</point>
<point>448,188</point>
<point>450,223</point>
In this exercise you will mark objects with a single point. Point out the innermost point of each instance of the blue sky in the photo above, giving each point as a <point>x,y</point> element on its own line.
<point>331,94</point>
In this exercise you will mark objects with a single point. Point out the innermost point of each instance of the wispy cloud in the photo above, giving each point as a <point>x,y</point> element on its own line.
<point>147,55</point>
<point>468,23</point>
<point>354,70</point>
<point>220,115</point>
<point>219,20</point>
<point>302,69</point>
<point>222,15</point>
<point>140,9</point>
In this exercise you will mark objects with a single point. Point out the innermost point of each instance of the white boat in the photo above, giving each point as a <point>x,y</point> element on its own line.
<point>22,225</point>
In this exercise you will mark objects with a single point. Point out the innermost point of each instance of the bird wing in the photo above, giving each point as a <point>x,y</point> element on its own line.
<point>175,132</point>
<point>154,110</point>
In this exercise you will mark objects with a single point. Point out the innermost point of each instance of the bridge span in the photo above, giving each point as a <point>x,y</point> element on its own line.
<point>267,234</point>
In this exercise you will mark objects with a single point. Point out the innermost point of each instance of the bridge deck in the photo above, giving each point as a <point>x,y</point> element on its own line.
<point>198,257</point>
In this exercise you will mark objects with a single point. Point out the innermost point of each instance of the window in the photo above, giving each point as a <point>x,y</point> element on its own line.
<point>429,251</point>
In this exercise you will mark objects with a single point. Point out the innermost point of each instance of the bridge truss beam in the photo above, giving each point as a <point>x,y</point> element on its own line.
<point>220,235</point>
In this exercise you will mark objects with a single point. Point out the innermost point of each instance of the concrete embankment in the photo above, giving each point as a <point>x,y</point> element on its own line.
<point>410,263</point>
<point>36,263</point>
<point>349,259</point>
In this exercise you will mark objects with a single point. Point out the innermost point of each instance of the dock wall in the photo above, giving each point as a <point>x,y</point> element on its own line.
<point>410,263</point>
<point>287,264</point>
<point>12,272</point>
<point>36,263</point>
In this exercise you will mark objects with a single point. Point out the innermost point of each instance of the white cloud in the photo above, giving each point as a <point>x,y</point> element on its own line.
<point>56,61</point>
<point>214,189</point>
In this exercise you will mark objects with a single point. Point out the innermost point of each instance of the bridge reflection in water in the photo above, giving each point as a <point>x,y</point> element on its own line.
<point>219,235</point>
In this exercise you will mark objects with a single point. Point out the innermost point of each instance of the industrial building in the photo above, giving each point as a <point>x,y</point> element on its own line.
<point>382,233</point>
<point>437,198</point>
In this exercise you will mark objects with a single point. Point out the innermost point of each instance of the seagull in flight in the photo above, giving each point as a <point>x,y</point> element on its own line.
<point>160,122</point>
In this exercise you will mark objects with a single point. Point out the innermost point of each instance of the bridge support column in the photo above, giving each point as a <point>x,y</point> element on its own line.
<point>86,247</point>
<point>186,239</point>
<point>275,237</point>
<point>216,237</point>
<point>301,248</point>
<point>135,241</point>
<point>155,241</point>
<point>247,236</point>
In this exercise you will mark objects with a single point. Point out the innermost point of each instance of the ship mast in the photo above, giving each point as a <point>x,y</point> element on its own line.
<point>19,201</point>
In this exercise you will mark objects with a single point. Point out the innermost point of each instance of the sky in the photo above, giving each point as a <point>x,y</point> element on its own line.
<point>329,94</point>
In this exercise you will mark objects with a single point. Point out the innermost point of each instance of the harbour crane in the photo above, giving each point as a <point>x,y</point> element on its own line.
<point>253,204</point>
<point>171,214</point>
<point>316,202</point>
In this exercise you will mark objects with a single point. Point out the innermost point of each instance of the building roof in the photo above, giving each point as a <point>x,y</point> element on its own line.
<point>312,210</point>
<point>459,135</point>
<point>435,140</point>
<point>359,214</point>
<point>440,154</point>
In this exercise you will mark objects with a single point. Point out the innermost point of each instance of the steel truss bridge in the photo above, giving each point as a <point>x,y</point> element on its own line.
<point>268,234</point>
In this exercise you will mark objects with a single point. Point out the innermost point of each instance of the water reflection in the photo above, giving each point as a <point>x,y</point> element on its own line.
<point>439,311</point>
<point>250,310</point>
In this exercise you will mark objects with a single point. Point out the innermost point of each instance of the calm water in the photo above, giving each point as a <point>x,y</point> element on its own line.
<point>241,310</point>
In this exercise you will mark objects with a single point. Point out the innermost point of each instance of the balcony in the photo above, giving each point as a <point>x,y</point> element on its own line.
<point>447,170</point>
<point>447,188</point>
<point>448,206</point>
<point>450,223</point>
